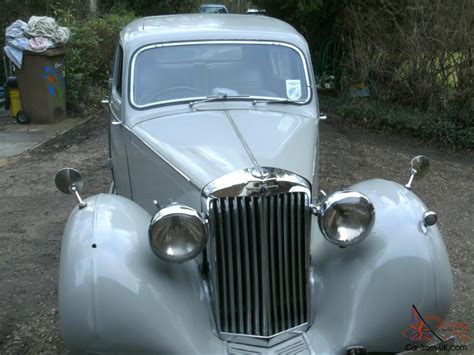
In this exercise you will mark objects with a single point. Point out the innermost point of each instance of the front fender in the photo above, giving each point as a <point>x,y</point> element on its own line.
<point>116,295</point>
<point>363,294</point>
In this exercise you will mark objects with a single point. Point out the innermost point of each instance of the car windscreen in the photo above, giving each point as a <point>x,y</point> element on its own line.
<point>213,10</point>
<point>186,72</point>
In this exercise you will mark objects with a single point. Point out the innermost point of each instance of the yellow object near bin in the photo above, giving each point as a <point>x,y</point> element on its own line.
<point>15,103</point>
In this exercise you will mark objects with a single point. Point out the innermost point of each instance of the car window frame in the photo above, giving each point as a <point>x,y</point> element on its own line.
<point>135,55</point>
<point>117,78</point>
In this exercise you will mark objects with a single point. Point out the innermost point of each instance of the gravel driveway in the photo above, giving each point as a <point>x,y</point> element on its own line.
<point>33,214</point>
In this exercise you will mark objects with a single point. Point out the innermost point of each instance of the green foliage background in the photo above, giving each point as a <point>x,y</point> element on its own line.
<point>89,57</point>
<point>414,56</point>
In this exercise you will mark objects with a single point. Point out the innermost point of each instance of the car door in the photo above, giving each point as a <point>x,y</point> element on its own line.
<point>117,133</point>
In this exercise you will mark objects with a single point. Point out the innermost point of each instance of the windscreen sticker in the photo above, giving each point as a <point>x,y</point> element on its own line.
<point>293,89</point>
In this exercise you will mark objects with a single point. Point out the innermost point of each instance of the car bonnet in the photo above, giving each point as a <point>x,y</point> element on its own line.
<point>208,144</point>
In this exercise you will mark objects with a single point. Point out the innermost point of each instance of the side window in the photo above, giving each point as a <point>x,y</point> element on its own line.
<point>118,70</point>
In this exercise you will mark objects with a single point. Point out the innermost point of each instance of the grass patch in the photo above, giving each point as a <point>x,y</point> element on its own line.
<point>453,129</point>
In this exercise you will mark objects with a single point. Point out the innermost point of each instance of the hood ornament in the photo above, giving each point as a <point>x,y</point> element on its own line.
<point>259,172</point>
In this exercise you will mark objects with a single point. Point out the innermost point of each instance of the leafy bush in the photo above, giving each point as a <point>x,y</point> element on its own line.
<point>89,58</point>
<point>451,128</point>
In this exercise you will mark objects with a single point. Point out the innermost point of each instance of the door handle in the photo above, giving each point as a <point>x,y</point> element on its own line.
<point>114,120</point>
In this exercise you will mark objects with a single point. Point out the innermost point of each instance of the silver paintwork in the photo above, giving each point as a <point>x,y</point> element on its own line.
<point>196,27</point>
<point>118,297</point>
<point>203,146</point>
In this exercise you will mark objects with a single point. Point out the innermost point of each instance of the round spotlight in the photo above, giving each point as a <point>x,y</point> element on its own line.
<point>177,233</point>
<point>346,217</point>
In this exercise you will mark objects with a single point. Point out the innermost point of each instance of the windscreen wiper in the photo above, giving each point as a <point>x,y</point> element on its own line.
<point>276,100</point>
<point>218,98</point>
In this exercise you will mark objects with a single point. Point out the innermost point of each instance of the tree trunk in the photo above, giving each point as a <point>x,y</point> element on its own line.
<point>93,8</point>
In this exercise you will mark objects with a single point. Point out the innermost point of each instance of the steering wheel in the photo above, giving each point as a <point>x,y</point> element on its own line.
<point>167,92</point>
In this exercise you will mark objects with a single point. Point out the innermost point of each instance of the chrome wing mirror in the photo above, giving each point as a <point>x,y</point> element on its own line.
<point>419,167</point>
<point>69,181</point>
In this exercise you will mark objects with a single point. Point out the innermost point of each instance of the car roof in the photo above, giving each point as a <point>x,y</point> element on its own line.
<point>197,27</point>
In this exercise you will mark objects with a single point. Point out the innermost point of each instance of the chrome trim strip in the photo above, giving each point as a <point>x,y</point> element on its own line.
<point>264,341</point>
<point>245,184</point>
<point>243,141</point>
<point>117,119</point>
<point>172,44</point>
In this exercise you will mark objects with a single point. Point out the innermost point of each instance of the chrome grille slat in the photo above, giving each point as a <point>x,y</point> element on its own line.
<point>261,255</point>
<point>213,215</point>
<point>307,231</point>
<point>256,292</point>
<point>285,261</point>
<point>272,267</point>
<point>248,288</point>
<point>300,239</point>
<point>280,258</point>
<point>238,257</point>
<point>293,254</point>
<point>230,264</point>
<point>221,264</point>
<point>266,313</point>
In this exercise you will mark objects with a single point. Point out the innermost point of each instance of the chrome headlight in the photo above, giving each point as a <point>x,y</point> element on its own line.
<point>177,233</point>
<point>346,217</point>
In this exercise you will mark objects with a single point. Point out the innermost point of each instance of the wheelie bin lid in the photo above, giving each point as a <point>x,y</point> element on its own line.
<point>12,82</point>
<point>51,52</point>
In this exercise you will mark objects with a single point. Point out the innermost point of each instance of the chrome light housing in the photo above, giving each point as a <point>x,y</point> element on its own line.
<point>346,217</point>
<point>177,233</point>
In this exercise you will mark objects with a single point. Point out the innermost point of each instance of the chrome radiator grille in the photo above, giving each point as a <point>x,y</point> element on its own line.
<point>260,252</point>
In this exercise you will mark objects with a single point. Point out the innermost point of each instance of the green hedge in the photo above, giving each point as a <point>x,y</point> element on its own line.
<point>89,58</point>
<point>452,129</point>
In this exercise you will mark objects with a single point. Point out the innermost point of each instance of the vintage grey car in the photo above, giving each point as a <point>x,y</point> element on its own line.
<point>214,237</point>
